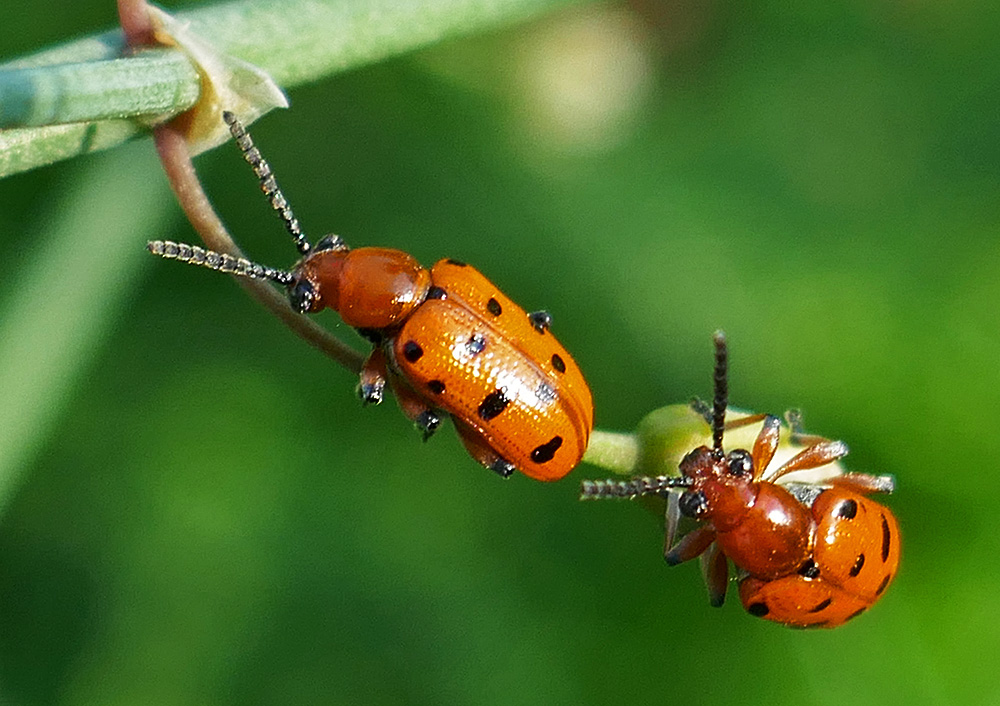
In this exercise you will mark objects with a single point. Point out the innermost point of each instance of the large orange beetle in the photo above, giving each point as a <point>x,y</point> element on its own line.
<point>446,341</point>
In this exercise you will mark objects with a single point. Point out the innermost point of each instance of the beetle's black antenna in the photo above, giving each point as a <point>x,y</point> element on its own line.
<point>267,182</point>
<point>721,396</point>
<point>220,262</point>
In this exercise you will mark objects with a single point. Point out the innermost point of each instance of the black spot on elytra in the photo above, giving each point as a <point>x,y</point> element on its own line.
<point>546,451</point>
<point>856,569</point>
<point>492,405</point>
<point>809,569</point>
<point>412,351</point>
<point>493,306</point>
<point>435,386</point>
<point>821,605</point>
<point>476,343</point>
<point>558,363</point>
<point>545,393</point>
<point>886,536</point>
<point>436,292</point>
<point>456,263</point>
<point>881,586</point>
<point>847,509</point>
<point>758,610</point>
<point>855,614</point>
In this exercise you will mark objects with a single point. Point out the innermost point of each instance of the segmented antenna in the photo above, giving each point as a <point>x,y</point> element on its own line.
<point>267,182</point>
<point>721,397</point>
<point>194,255</point>
<point>632,488</point>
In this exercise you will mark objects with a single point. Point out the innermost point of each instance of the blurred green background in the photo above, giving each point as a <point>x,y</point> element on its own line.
<point>197,511</point>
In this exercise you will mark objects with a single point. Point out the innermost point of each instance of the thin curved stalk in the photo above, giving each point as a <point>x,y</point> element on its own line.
<point>176,160</point>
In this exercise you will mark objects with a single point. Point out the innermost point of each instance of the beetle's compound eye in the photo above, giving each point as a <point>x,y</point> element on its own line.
<point>302,296</point>
<point>740,462</point>
<point>693,503</point>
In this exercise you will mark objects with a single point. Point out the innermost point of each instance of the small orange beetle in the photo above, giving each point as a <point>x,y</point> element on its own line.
<point>807,554</point>
<point>446,341</point>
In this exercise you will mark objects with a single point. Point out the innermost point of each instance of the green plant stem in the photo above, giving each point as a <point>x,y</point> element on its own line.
<point>613,451</point>
<point>295,41</point>
<point>154,82</point>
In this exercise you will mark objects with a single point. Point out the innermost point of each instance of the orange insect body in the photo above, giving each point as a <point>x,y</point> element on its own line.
<point>447,341</point>
<point>806,554</point>
<point>855,555</point>
<point>810,558</point>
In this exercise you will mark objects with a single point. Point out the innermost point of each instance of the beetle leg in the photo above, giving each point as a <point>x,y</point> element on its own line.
<point>793,417</point>
<point>371,384</point>
<point>428,422</point>
<point>812,457</point>
<point>426,419</point>
<point>482,452</point>
<point>765,445</point>
<point>744,421</point>
<point>691,545</point>
<point>671,519</point>
<point>540,320</point>
<point>715,571</point>
<point>704,410</point>
<point>865,483</point>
